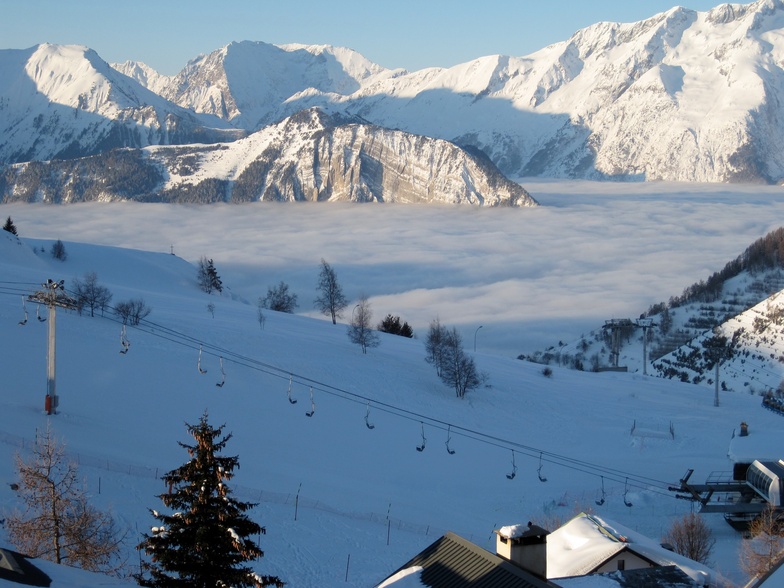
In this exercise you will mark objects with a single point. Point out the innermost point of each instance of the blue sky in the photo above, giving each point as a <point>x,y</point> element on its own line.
<point>407,33</point>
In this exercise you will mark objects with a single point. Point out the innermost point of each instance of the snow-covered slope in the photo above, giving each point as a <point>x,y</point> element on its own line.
<point>757,361</point>
<point>307,157</point>
<point>342,504</point>
<point>65,101</point>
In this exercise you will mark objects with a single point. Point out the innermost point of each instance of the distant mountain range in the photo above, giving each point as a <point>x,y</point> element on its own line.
<point>683,95</point>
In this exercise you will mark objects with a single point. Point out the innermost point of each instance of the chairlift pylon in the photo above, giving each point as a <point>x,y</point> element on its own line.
<point>126,344</point>
<point>513,473</point>
<point>23,322</point>
<point>421,448</point>
<point>539,471</point>
<point>223,375</point>
<point>368,424</point>
<point>198,363</point>
<point>312,410</point>
<point>291,400</point>
<point>449,450</point>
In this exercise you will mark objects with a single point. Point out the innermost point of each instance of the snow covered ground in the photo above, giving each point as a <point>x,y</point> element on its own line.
<point>367,500</point>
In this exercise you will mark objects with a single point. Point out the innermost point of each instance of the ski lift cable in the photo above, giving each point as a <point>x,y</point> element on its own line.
<point>613,474</point>
<point>562,461</point>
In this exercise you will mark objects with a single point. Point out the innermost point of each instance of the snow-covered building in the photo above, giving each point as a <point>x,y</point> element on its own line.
<point>588,544</point>
<point>586,552</point>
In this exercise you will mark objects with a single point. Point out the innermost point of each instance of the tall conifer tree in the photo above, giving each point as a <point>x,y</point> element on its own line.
<point>205,542</point>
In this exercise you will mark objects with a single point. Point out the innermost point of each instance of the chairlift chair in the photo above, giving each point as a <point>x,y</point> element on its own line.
<point>223,375</point>
<point>38,314</point>
<point>625,492</point>
<point>312,410</point>
<point>368,424</point>
<point>421,448</point>
<point>513,473</point>
<point>23,322</point>
<point>291,400</point>
<point>126,344</point>
<point>601,500</point>
<point>198,363</point>
<point>539,471</point>
<point>449,450</point>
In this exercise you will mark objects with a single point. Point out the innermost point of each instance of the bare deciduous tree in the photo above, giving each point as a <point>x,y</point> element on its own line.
<point>133,311</point>
<point>359,331</point>
<point>330,300</point>
<point>691,537</point>
<point>457,368</point>
<point>434,344</point>
<point>90,294</point>
<point>57,522</point>
<point>763,549</point>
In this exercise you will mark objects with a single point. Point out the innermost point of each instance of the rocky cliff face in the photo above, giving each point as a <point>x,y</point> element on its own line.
<point>308,157</point>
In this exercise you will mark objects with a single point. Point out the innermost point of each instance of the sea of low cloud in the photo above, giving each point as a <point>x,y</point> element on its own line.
<point>529,277</point>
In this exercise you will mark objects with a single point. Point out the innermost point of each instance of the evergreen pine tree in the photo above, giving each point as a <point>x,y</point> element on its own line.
<point>215,280</point>
<point>9,226</point>
<point>207,276</point>
<point>205,542</point>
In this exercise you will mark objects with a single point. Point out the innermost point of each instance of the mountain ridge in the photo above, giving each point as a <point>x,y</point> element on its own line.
<point>309,156</point>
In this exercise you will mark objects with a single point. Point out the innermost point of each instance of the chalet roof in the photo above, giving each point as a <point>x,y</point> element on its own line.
<point>14,567</point>
<point>453,562</point>
<point>658,577</point>
<point>585,543</point>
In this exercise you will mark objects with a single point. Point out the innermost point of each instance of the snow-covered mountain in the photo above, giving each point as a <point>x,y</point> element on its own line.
<point>683,95</point>
<point>249,83</point>
<point>307,157</point>
<point>143,74</point>
<point>65,101</point>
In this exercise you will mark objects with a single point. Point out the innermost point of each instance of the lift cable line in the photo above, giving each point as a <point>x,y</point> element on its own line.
<point>179,338</point>
<point>611,474</point>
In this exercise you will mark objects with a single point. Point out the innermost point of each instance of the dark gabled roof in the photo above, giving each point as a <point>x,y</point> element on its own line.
<point>453,562</point>
<point>14,567</point>
<point>657,577</point>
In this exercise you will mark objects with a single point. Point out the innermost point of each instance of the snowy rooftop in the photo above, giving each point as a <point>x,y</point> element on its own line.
<point>580,546</point>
